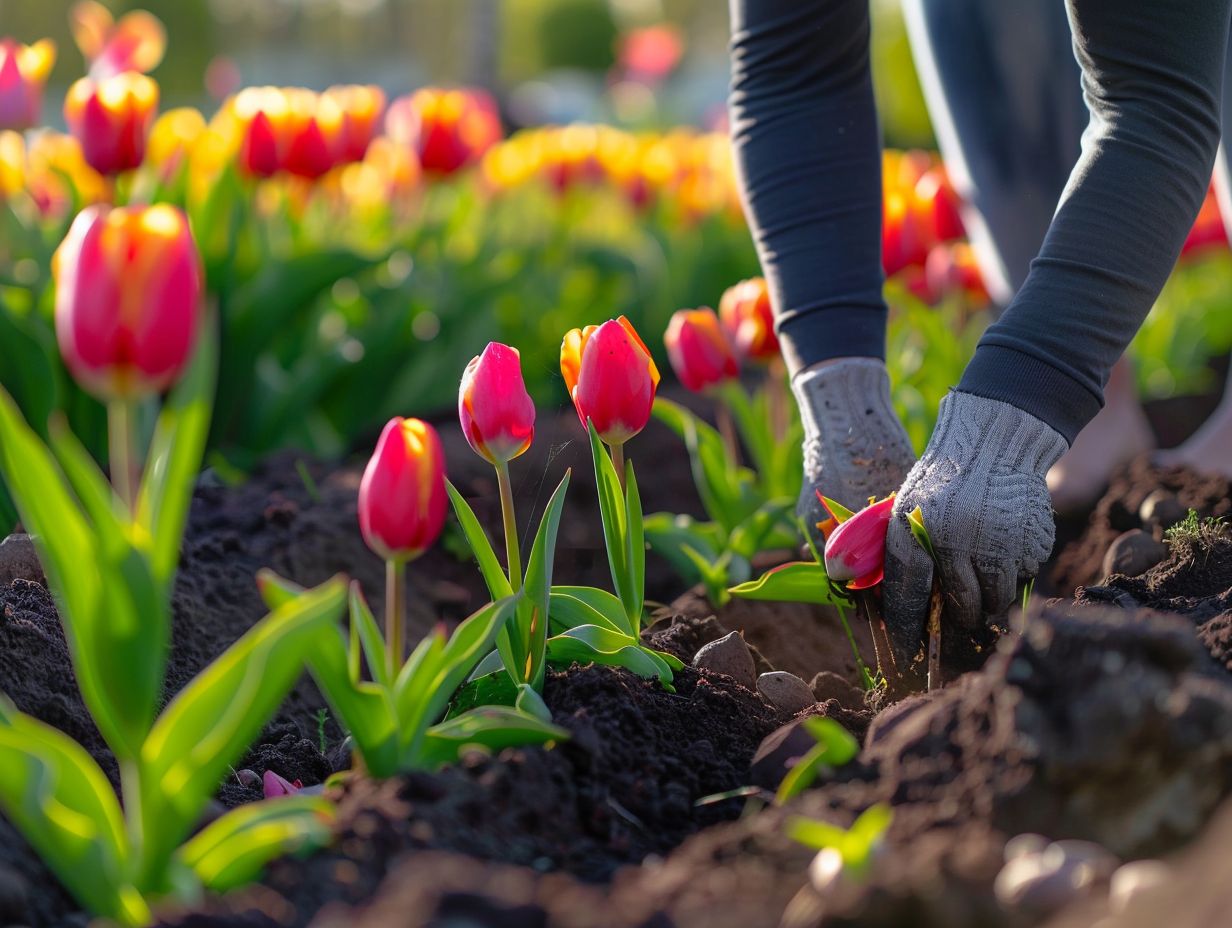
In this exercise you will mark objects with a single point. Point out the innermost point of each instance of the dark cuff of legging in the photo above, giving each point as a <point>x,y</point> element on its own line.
<point>834,332</point>
<point>1034,386</point>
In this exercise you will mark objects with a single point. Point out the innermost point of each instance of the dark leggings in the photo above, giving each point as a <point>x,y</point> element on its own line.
<point>806,141</point>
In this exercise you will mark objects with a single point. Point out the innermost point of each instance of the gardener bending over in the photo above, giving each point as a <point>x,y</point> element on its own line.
<point>805,132</point>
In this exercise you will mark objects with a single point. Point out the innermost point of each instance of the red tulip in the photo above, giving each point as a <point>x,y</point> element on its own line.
<point>855,550</point>
<point>402,498</point>
<point>111,118</point>
<point>23,71</point>
<point>361,108</point>
<point>937,200</point>
<point>611,378</point>
<point>699,351</point>
<point>448,129</point>
<point>745,313</point>
<point>497,414</point>
<point>128,295</point>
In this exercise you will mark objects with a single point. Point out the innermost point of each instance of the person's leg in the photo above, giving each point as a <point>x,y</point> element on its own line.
<point>1003,89</point>
<point>1210,448</point>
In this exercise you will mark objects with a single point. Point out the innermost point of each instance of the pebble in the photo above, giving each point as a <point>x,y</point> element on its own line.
<point>1040,878</point>
<point>729,655</point>
<point>1161,510</point>
<point>1134,878</point>
<point>1133,553</point>
<point>19,560</point>
<point>785,691</point>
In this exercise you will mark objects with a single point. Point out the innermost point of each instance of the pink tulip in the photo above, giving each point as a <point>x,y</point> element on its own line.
<point>273,785</point>
<point>700,353</point>
<point>855,550</point>
<point>402,499</point>
<point>611,378</point>
<point>497,414</point>
<point>128,296</point>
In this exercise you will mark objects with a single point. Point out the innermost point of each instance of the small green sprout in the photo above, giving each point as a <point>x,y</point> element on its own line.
<point>848,852</point>
<point>835,747</point>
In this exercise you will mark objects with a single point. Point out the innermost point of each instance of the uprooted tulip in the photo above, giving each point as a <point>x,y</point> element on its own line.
<point>611,378</point>
<point>111,118</point>
<point>855,549</point>
<point>402,503</point>
<point>700,353</point>
<point>23,71</point>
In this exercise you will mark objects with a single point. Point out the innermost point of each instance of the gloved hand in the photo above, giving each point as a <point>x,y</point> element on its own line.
<point>980,485</point>
<point>854,445</point>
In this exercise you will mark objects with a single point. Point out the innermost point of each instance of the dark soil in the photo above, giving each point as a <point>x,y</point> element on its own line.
<point>1080,562</point>
<point>1109,721</point>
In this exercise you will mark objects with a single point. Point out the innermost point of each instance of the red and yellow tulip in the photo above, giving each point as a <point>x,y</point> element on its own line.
<point>700,353</point>
<point>402,499</point>
<point>745,313</point>
<point>611,378</point>
<point>128,298</point>
<point>111,118</point>
<point>447,129</point>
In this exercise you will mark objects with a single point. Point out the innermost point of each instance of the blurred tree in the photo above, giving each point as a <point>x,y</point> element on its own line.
<point>543,35</point>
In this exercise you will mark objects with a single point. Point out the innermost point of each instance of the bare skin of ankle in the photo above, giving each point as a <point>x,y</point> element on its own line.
<point>1117,434</point>
<point>1208,450</point>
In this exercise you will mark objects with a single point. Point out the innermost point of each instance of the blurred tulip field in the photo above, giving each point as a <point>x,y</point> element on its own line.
<point>359,250</point>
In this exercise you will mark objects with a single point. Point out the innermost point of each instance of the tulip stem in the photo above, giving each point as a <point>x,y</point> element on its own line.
<point>120,450</point>
<point>727,428</point>
<point>512,554</point>
<point>934,636</point>
<point>618,461</point>
<point>395,614</point>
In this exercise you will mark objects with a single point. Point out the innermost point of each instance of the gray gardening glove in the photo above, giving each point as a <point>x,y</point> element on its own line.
<point>854,445</point>
<point>980,485</point>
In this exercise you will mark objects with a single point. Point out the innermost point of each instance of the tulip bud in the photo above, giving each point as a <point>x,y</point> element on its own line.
<point>611,378</point>
<point>111,118</point>
<point>402,498</point>
<point>497,414</point>
<point>23,72</point>
<point>855,550</point>
<point>699,351</point>
<point>748,319</point>
<point>128,295</point>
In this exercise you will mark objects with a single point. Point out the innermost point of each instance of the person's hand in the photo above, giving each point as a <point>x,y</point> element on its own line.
<point>981,488</point>
<point>854,445</point>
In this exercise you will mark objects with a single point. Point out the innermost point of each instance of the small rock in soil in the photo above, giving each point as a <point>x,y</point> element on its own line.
<point>19,560</point>
<point>1133,553</point>
<point>829,685</point>
<point>1133,879</point>
<point>785,691</point>
<point>729,655</point>
<point>1161,510</point>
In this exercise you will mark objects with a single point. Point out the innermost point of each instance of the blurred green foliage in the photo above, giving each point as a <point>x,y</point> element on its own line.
<point>543,35</point>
